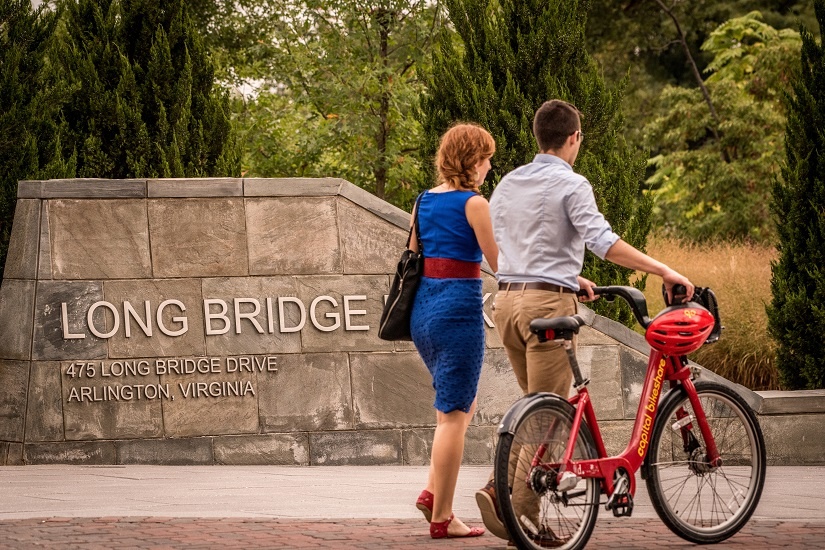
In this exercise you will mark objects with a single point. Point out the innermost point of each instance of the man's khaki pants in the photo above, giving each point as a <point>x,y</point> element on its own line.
<point>538,368</point>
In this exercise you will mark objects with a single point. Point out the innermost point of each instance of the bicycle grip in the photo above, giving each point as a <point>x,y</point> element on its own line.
<point>678,293</point>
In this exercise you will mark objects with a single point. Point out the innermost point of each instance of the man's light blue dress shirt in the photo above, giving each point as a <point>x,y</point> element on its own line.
<point>544,214</point>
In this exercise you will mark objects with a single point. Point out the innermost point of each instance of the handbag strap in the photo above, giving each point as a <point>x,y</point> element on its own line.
<point>415,225</point>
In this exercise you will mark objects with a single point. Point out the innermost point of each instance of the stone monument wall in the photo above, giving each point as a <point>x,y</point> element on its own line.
<point>234,321</point>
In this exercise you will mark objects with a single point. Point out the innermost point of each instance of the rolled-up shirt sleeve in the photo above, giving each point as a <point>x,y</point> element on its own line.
<point>591,225</point>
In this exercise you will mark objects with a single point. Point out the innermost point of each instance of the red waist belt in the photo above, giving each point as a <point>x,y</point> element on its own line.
<point>444,268</point>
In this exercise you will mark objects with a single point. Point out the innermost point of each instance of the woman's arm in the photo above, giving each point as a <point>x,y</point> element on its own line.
<point>478,216</point>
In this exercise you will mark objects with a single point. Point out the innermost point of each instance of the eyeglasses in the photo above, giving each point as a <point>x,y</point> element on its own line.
<point>580,135</point>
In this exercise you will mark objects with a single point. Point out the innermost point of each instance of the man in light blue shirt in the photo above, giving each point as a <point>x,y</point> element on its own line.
<point>544,215</point>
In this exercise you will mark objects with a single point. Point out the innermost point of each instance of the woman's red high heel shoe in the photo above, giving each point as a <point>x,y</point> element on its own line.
<point>425,504</point>
<point>438,530</point>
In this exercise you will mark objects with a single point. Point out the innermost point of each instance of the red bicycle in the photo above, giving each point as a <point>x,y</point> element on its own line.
<point>699,447</point>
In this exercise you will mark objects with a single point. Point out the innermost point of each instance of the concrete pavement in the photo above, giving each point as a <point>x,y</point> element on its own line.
<point>322,507</point>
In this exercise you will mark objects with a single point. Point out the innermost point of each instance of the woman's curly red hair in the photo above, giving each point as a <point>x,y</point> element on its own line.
<point>462,147</point>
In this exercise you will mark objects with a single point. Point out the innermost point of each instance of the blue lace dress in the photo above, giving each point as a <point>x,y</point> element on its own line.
<point>447,322</point>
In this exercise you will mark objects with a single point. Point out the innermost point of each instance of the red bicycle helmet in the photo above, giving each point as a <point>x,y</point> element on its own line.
<point>679,330</point>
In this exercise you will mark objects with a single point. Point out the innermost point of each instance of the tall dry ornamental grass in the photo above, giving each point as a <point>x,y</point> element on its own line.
<point>740,276</point>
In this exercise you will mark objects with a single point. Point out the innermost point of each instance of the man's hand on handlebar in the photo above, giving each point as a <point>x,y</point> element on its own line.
<point>587,285</point>
<point>672,278</point>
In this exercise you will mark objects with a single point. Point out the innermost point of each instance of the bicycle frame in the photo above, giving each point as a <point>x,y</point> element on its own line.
<point>660,368</point>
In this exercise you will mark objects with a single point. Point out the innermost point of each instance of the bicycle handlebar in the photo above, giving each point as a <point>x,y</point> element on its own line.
<point>633,296</point>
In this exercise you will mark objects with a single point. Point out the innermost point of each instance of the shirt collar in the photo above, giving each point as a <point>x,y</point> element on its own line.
<point>551,159</point>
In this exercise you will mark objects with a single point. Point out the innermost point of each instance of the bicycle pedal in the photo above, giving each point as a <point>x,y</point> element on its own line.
<point>621,504</point>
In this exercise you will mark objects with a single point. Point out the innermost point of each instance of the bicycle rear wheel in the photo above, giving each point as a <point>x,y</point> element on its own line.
<point>535,512</point>
<point>699,502</point>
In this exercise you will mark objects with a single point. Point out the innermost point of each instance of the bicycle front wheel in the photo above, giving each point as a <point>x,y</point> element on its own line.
<point>536,513</point>
<point>697,501</point>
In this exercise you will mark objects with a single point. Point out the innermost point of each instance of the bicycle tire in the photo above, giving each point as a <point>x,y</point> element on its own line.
<point>563,520</point>
<point>726,496</point>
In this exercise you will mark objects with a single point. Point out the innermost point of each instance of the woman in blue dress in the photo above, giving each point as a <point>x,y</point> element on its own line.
<point>447,322</point>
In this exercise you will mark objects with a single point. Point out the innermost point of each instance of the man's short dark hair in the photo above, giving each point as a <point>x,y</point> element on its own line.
<point>554,122</point>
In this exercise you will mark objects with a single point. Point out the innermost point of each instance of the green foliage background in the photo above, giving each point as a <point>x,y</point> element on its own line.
<point>796,318</point>
<point>708,188</point>
<point>140,98</point>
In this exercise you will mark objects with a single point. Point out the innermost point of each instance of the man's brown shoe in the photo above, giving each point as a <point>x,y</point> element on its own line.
<point>545,539</point>
<point>486,500</point>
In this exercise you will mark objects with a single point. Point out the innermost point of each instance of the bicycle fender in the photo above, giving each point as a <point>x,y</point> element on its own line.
<point>520,407</point>
<point>673,394</point>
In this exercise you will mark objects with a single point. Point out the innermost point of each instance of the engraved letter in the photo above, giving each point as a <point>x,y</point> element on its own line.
<point>129,311</point>
<point>251,315</point>
<point>182,320</point>
<point>208,316</point>
<point>90,319</point>
<point>330,315</point>
<point>65,318</point>
<point>281,316</point>
<point>348,312</point>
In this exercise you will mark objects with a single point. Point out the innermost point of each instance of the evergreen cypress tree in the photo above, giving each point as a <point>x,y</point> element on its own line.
<point>796,317</point>
<point>142,102</point>
<point>27,105</point>
<point>513,56</point>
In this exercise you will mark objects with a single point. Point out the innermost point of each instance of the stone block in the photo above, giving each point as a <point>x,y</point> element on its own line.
<point>310,392</point>
<point>30,189</point>
<point>391,390</point>
<point>369,244</point>
<point>195,187</point>
<point>198,412</point>
<point>243,336</point>
<point>601,365</point>
<point>44,413</point>
<point>198,237</point>
<point>21,258</point>
<point>277,247</point>
<point>99,239</point>
<point>634,369</point>
<point>106,403</point>
<point>14,379</point>
<point>327,308</point>
<point>71,452</point>
<point>479,446</point>
<point>379,207</point>
<point>791,402</point>
<point>269,450</point>
<point>590,337</point>
<point>417,446</point>
<point>16,318</point>
<point>621,333</point>
<point>174,319</point>
<point>498,388</point>
<point>15,455</point>
<point>50,341</point>
<point>44,256</point>
<point>94,188</point>
<point>4,453</point>
<point>362,448</point>
<point>292,187</point>
<point>166,452</point>
<point>794,439</point>
<point>616,435</point>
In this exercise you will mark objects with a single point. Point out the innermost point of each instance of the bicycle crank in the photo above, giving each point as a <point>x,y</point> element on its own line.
<point>621,501</point>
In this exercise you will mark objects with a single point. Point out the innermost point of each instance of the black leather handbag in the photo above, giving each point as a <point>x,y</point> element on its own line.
<point>395,319</point>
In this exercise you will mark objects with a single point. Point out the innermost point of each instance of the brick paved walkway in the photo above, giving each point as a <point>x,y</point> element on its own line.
<point>174,533</point>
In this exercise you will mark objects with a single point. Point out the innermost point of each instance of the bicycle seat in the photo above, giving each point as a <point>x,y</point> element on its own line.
<point>556,328</point>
